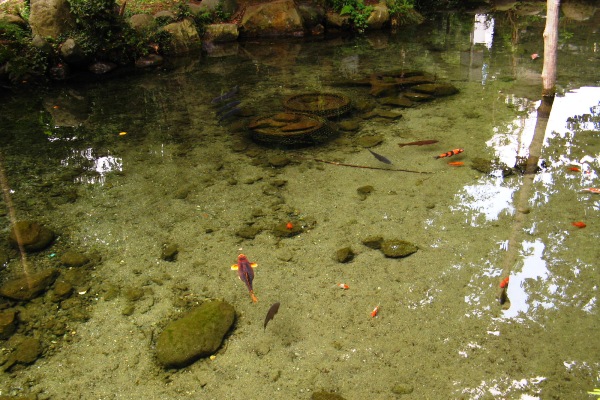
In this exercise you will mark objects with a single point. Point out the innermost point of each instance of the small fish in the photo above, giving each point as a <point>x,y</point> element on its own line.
<point>380,157</point>
<point>229,114</point>
<point>579,224</point>
<point>591,190</point>
<point>227,95</point>
<point>228,106</point>
<point>418,143</point>
<point>375,312</point>
<point>450,153</point>
<point>343,286</point>
<point>504,283</point>
<point>456,164</point>
<point>271,313</point>
<point>574,169</point>
<point>535,56</point>
<point>246,273</point>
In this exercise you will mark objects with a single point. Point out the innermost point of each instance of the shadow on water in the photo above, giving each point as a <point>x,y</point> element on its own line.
<point>126,168</point>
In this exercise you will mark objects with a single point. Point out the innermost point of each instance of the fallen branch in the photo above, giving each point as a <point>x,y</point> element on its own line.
<point>365,166</point>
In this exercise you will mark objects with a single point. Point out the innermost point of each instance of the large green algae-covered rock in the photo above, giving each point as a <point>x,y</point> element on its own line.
<point>197,334</point>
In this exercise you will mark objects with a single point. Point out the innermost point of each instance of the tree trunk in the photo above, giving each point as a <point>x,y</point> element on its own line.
<point>550,48</point>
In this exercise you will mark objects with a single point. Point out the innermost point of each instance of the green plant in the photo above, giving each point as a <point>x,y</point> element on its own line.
<point>23,60</point>
<point>356,10</point>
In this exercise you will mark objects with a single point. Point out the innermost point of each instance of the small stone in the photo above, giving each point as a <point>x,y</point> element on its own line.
<point>373,242</point>
<point>248,232</point>
<point>436,89</point>
<point>278,161</point>
<point>284,230</point>
<point>27,351</point>
<point>364,191</point>
<point>326,396</point>
<point>73,259</point>
<point>397,102</point>
<point>369,140</point>
<point>349,126</point>
<point>33,236</point>
<point>133,294</point>
<point>402,388</point>
<point>344,255</point>
<point>62,290</point>
<point>395,248</point>
<point>8,323</point>
<point>169,252</point>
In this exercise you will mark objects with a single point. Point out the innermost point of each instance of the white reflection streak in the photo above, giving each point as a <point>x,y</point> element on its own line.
<point>534,267</point>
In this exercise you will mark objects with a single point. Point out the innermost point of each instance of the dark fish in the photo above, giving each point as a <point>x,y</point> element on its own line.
<point>228,106</point>
<point>380,157</point>
<point>271,313</point>
<point>229,114</point>
<point>226,96</point>
<point>418,143</point>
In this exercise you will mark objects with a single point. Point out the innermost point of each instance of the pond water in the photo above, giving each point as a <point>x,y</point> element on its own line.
<point>121,167</point>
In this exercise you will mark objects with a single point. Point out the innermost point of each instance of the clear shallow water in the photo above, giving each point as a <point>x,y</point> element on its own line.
<point>178,176</point>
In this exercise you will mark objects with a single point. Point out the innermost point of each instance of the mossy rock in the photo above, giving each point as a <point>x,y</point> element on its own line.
<point>395,248</point>
<point>197,334</point>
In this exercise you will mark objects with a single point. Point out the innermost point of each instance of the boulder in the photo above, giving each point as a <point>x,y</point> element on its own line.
<point>221,33</point>
<point>141,22</point>
<point>276,18</point>
<point>225,6</point>
<point>33,236</point>
<point>72,53</point>
<point>50,17</point>
<point>197,334</point>
<point>379,17</point>
<point>184,37</point>
<point>13,19</point>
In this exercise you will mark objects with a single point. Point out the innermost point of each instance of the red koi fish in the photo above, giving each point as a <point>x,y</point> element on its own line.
<point>591,190</point>
<point>579,224</point>
<point>504,283</point>
<point>246,273</point>
<point>450,153</point>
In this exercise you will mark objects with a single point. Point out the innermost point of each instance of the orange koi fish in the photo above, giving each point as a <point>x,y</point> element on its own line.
<point>579,224</point>
<point>504,283</point>
<point>343,286</point>
<point>591,190</point>
<point>456,164</point>
<point>375,312</point>
<point>574,169</point>
<point>450,153</point>
<point>246,273</point>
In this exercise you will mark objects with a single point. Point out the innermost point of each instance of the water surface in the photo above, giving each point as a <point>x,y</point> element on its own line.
<point>120,167</point>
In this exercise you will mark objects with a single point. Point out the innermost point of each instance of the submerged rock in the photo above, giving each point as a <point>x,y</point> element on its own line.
<point>33,236</point>
<point>8,323</point>
<point>344,255</point>
<point>395,248</point>
<point>28,287</point>
<point>197,334</point>
<point>72,259</point>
